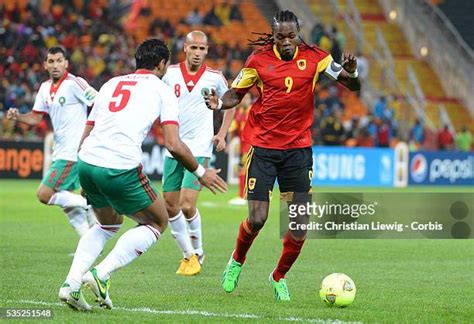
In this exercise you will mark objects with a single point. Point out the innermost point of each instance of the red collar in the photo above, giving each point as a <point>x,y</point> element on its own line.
<point>54,88</point>
<point>191,80</point>
<point>143,71</point>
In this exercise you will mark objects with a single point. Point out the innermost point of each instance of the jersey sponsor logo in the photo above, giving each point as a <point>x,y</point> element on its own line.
<point>62,100</point>
<point>190,83</point>
<point>301,64</point>
<point>252,182</point>
<point>418,168</point>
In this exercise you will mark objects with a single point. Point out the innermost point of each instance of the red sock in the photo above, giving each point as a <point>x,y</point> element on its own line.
<point>291,250</point>
<point>241,184</point>
<point>244,241</point>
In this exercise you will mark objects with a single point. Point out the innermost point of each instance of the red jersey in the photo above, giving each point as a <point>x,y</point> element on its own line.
<point>281,117</point>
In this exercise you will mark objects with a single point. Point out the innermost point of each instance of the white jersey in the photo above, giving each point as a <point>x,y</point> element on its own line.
<point>66,104</point>
<point>124,110</point>
<point>196,122</point>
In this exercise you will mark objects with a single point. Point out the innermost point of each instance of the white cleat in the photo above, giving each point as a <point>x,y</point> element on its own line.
<point>99,287</point>
<point>73,299</point>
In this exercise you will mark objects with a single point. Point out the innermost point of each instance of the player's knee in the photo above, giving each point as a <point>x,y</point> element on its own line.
<point>257,220</point>
<point>43,195</point>
<point>171,208</point>
<point>188,210</point>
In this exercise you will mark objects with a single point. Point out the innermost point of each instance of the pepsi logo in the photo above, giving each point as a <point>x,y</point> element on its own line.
<point>418,168</point>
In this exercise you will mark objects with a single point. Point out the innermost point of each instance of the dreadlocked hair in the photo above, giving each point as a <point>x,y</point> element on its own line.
<point>279,17</point>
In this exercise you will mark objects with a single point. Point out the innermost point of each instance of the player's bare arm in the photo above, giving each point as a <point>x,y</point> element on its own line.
<point>181,152</point>
<point>85,134</point>
<point>32,118</point>
<point>219,138</point>
<point>229,100</point>
<point>349,75</point>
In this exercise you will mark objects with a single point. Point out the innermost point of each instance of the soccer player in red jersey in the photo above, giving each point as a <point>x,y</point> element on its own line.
<point>285,71</point>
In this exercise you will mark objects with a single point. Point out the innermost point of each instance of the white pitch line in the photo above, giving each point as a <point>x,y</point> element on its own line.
<point>147,310</point>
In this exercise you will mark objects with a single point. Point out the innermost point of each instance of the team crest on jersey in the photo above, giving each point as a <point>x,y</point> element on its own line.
<point>62,100</point>
<point>301,64</point>
<point>205,91</point>
<point>252,182</point>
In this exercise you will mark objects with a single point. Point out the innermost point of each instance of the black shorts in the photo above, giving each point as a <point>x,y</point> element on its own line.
<point>293,168</point>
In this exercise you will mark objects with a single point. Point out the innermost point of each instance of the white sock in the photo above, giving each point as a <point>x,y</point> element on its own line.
<point>65,199</point>
<point>89,248</point>
<point>77,217</point>
<point>129,246</point>
<point>195,232</point>
<point>179,231</point>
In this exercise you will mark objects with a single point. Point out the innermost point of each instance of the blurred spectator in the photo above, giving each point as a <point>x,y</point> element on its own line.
<point>194,18</point>
<point>445,139</point>
<point>332,103</point>
<point>464,140</point>
<point>364,139</point>
<point>316,33</point>
<point>222,11</point>
<point>379,107</point>
<point>383,133</point>
<point>210,18</point>
<point>362,66</point>
<point>332,130</point>
<point>235,13</point>
<point>417,134</point>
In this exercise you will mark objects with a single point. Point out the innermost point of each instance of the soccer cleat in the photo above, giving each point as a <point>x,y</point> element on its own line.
<point>100,288</point>
<point>201,258</point>
<point>230,277</point>
<point>73,299</point>
<point>280,289</point>
<point>189,267</point>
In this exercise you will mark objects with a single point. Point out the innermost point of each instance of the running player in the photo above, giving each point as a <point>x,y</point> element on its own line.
<point>285,71</point>
<point>65,98</point>
<point>111,175</point>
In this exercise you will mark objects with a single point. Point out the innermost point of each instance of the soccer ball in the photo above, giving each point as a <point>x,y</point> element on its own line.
<point>337,289</point>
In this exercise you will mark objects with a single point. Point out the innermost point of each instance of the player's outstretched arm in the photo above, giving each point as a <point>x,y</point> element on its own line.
<point>219,138</point>
<point>349,75</point>
<point>32,118</point>
<point>180,151</point>
<point>230,99</point>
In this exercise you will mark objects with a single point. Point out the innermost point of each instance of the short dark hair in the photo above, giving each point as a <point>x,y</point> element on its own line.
<point>150,53</point>
<point>55,50</point>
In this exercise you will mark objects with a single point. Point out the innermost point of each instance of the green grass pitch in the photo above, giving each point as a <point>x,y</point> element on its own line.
<point>397,280</point>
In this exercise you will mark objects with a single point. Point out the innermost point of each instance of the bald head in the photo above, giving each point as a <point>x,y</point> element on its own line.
<point>196,35</point>
<point>195,47</point>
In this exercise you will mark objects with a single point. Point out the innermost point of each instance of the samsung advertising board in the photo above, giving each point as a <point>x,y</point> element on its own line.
<point>441,168</point>
<point>342,166</point>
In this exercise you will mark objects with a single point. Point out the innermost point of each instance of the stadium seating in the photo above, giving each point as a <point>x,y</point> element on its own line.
<point>373,19</point>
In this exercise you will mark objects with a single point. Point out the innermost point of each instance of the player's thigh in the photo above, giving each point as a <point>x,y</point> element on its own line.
<point>173,174</point>
<point>154,215</point>
<point>296,171</point>
<point>88,176</point>
<point>260,173</point>
<point>62,175</point>
<point>108,216</point>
